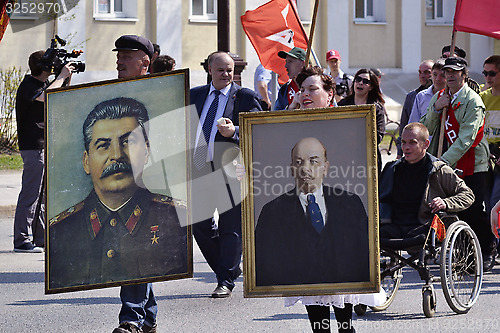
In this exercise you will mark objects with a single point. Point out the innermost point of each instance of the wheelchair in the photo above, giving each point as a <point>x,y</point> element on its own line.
<point>458,257</point>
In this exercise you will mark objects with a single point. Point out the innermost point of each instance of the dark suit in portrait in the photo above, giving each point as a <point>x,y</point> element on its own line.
<point>289,251</point>
<point>90,244</point>
<point>222,248</point>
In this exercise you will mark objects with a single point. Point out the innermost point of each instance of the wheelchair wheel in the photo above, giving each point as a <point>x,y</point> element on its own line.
<point>461,267</point>
<point>389,283</point>
<point>429,302</point>
<point>360,309</point>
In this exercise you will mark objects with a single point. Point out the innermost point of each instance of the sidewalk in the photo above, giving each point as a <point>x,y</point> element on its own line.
<point>10,185</point>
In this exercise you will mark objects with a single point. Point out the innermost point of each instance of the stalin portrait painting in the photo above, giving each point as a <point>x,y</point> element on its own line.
<point>121,231</point>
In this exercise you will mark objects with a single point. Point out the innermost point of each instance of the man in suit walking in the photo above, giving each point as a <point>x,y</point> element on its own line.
<point>218,105</point>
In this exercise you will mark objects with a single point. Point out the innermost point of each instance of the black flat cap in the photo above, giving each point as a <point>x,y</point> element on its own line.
<point>134,43</point>
<point>455,63</point>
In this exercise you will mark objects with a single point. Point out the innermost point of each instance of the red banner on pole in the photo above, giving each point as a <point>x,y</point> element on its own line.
<point>4,18</point>
<point>275,26</point>
<point>478,17</point>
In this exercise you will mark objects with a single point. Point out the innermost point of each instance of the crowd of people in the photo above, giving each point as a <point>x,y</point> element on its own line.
<point>456,166</point>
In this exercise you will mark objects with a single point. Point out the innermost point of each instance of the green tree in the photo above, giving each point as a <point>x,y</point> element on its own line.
<point>9,82</point>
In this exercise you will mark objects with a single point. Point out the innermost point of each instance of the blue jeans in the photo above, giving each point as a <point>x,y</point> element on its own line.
<point>138,304</point>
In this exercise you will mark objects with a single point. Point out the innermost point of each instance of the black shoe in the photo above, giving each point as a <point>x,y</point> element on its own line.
<point>221,292</point>
<point>149,329</point>
<point>127,327</point>
<point>489,262</point>
<point>28,248</point>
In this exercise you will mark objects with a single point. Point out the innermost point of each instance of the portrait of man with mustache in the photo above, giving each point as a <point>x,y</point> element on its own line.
<point>121,231</point>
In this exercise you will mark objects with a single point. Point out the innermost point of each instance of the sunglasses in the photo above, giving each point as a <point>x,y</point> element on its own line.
<point>359,79</point>
<point>490,73</point>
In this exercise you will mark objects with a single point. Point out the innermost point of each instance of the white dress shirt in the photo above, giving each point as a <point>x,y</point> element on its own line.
<point>223,98</point>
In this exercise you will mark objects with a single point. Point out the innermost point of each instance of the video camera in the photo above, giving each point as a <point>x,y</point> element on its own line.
<point>55,59</point>
<point>342,89</point>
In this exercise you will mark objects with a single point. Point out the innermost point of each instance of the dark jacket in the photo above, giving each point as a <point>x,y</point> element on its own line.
<point>239,100</point>
<point>442,182</point>
<point>89,244</point>
<point>288,250</point>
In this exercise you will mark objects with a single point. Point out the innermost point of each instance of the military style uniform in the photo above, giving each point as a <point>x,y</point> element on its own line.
<point>90,244</point>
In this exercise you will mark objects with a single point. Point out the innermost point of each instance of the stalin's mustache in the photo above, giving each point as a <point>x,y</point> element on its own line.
<point>116,168</point>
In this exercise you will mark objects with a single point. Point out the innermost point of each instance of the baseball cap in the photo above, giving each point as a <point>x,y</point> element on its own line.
<point>134,43</point>
<point>455,63</point>
<point>333,54</point>
<point>296,53</point>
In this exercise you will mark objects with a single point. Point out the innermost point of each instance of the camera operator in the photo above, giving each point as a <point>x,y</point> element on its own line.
<point>343,81</point>
<point>30,131</point>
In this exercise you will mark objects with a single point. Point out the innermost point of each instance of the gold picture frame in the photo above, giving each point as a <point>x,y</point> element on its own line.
<point>274,264</point>
<point>91,244</point>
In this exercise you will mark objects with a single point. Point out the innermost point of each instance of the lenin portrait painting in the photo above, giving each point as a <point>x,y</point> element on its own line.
<point>310,202</point>
<point>121,232</point>
<point>306,235</point>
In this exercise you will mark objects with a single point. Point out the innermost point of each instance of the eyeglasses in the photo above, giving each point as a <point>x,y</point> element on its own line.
<point>490,73</point>
<point>359,79</point>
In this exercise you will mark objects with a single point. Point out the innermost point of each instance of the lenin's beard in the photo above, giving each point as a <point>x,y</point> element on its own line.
<point>116,168</point>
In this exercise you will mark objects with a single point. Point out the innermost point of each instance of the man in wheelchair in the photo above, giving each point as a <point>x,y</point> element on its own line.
<point>412,190</point>
<point>415,187</point>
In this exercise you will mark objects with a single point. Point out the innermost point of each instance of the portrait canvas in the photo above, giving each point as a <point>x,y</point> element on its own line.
<point>116,183</point>
<point>310,215</point>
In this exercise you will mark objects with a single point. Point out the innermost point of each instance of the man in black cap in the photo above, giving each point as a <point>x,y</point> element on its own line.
<point>465,148</point>
<point>295,61</point>
<point>134,55</point>
<point>139,307</point>
<point>445,52</point>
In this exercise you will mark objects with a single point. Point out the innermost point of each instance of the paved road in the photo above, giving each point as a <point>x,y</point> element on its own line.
<point>184,305</point>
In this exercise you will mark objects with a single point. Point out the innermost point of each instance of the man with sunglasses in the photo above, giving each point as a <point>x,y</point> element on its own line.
<point>425,78</point>
<point>465,147</point>
<point>491,100</point>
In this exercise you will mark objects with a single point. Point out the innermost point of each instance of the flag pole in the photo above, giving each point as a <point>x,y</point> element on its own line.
<point>311,33</point>
<point>445,109</point>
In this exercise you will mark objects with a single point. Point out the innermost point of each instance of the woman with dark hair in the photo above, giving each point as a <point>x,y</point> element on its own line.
<point>316,89</point>
<point>366,90</point>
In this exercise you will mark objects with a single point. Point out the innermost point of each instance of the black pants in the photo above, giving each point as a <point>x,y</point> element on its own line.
<point>319,317</point>
<point>476,216</point>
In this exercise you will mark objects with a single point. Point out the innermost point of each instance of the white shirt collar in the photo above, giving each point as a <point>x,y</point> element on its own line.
<point>224,91</point>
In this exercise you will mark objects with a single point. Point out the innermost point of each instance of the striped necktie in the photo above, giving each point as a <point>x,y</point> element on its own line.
<point>200,157</point>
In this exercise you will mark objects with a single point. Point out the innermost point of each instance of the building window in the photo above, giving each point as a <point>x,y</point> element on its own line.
<point>110,6</point>
<point>119,9</point>
<point>439,11</point>
<point>304,10</point>
<point>204,9</point>
<point>369,10</point>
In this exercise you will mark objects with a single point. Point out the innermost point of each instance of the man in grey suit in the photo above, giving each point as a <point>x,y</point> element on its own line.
<point>218,105</point>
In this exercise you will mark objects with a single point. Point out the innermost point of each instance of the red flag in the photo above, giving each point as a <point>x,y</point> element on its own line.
<point>275,26</point>
<point>4,17</point>
<point>438,227</point>
<point>478,17</point>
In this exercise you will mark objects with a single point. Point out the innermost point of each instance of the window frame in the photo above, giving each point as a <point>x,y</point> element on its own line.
<point>448,11</point>
<point>377,15</point>
<point>204,17</point>
<point>127,13</point>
